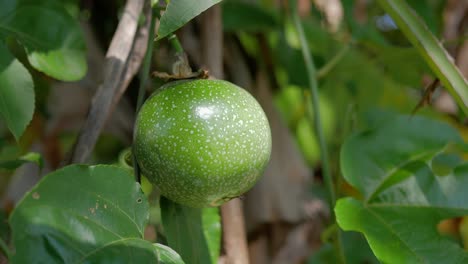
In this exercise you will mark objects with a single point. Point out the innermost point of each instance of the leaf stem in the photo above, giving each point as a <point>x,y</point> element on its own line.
<point>311,72</point>
<point>322,72</point>
<point>144,73</point>
<point>4,248</point>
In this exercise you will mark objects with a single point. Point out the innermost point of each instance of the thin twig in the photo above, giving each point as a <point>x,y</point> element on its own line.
<point>138,53</point>
<point>116,62</point>
<point>426,99</point>
<point>311,72</point>
<point>144,74</point>
<point>322,72</point>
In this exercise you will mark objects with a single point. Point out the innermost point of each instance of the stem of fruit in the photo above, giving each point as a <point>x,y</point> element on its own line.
<point>4,248</point>
<point>311,72</point>
<point>175,43</point>
<point>144,73</point>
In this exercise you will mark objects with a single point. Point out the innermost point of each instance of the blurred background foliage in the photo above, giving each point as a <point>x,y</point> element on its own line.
<point>367,71</point>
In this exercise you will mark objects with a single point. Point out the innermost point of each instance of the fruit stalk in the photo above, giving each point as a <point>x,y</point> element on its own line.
<point>175,43</point>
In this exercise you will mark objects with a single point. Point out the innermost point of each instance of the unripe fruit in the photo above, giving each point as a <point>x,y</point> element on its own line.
<point>202,142</point>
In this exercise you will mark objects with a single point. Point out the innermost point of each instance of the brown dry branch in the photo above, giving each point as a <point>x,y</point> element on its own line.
<point>454,14</point>
<point>200,74</point>
<point>189,39</point>
<point>117,62</point>
<point>234,237</point>
<point>274,206</point>
<point>137,54</point>
<point>238,67</point>
<point>304,238</point>
<point>296,248</point>
<point>212,41</point>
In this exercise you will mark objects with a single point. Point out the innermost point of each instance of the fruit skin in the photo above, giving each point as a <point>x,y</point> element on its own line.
<point>202,142</point>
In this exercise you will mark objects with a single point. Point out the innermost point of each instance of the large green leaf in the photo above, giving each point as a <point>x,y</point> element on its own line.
<point>430,48</point>
<point>370,159</point>
<point>179,12</point>
<point>82,214</point>
<point>16,93</point>
<point>405,195</point>
<point>52,38</point>
<point>183,227</point>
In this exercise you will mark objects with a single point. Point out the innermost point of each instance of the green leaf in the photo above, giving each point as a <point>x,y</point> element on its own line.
<point>16,93</point>
<point>167,255</point>
<point>28,157</point>
<point>52,38</point>
<point>183,228</point>
<point>82,214</point>
<point>394,166</point>
<point>250,17</point>
<point>400,225</point>
<point>370,159</point>
<point>430,48</point>
<point>179,12</point>
<point>211,222</point>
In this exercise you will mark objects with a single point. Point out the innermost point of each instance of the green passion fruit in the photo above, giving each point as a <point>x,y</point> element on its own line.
<point>202,142</point>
